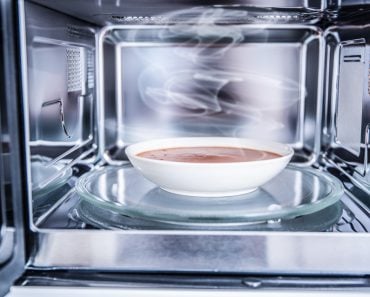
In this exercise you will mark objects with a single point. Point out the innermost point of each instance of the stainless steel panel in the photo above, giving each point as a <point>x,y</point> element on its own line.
<point>166,281</point>
<point>351,77</point>
<point>57,50</point>
<point>18,291</point>
<point>347,101</point>
<point>254,90</point>
<point>58,80</point>
<point>221,252</point>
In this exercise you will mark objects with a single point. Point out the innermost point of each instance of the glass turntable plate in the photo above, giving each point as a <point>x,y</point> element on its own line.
<point>294,192</point>
<point>322,220</point>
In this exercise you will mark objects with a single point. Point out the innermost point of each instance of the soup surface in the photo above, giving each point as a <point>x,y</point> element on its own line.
<point>208,154</point>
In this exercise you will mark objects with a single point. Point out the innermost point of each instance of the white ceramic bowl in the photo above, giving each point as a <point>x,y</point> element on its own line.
<point>209,179</point>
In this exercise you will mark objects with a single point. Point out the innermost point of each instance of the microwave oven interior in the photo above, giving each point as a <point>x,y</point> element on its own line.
<point>100,75</point>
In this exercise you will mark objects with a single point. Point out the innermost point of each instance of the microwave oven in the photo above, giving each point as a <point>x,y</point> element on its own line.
<point>83,79</point>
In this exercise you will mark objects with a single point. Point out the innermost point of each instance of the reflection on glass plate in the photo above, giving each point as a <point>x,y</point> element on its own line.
<point>294,192</point>
<point>47,177</point>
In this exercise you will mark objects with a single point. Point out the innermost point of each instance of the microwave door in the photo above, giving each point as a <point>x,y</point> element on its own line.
<point>12,251</point>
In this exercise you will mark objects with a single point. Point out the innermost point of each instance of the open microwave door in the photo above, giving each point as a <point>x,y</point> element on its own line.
<point>12,249</point>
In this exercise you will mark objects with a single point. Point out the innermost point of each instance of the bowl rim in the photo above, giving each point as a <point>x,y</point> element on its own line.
<point>133,155</point>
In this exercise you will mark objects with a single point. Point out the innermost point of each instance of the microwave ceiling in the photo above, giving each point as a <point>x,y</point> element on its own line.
<point>105,12</point>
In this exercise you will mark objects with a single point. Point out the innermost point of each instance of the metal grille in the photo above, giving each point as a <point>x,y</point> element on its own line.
<point>90,69</point>
<point>74,69</point>
<point>138,19</point>
<point>249,18</point>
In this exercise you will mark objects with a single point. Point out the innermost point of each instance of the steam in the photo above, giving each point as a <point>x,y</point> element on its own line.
<point>197,78</point>
<point>202,32</point>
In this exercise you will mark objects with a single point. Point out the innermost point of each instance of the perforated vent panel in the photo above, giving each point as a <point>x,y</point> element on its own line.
<point>74,69</point>
<point>90,69</point>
